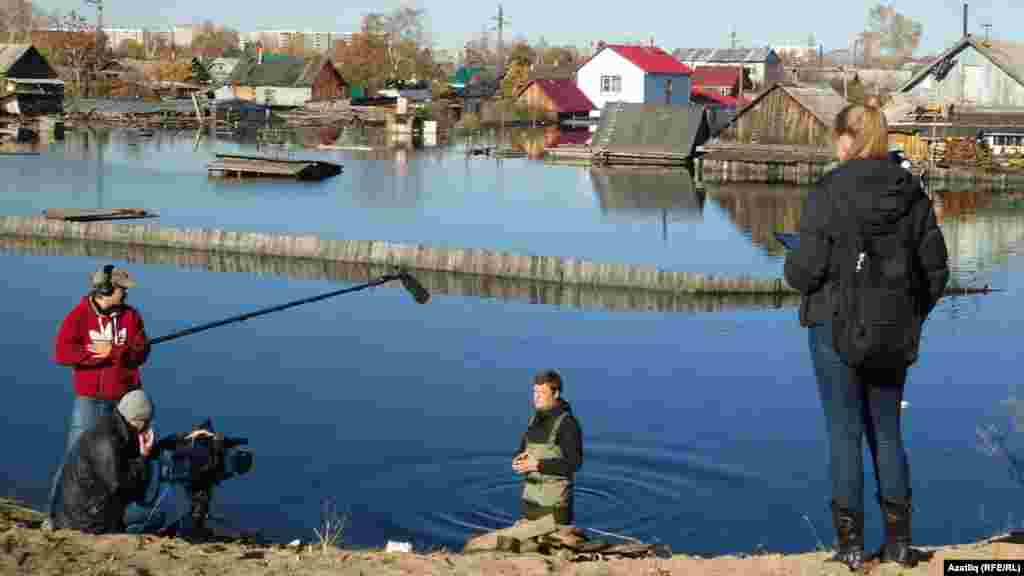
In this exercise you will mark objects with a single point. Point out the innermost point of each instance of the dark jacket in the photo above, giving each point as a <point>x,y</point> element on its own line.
<point>878,193</point>
<point>104,378</point>
<point>103,474</point>
<point>569,439</point>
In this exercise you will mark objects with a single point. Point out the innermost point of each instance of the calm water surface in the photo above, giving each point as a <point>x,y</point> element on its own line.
<point>702,431</point>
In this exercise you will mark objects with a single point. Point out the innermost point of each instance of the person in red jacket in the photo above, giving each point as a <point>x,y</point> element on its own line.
<point>104,342</point>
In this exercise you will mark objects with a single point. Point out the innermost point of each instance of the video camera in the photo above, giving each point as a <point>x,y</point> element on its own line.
<point>199,464</point>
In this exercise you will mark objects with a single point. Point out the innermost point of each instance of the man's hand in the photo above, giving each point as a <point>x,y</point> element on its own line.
<point>100,349</point>
<point>525,463</point>
<point>199,434</point>
<point>146,441</point>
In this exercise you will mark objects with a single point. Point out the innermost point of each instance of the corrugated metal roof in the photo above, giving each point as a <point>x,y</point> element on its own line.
<point>10,54</point>
<point>651,128</point>
<point>650,59</point>
<point>566,96</point>
<point>715,76</point>
<point>724,55</point>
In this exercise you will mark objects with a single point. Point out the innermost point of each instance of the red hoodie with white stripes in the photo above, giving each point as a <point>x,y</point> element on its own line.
<point>103,378</point>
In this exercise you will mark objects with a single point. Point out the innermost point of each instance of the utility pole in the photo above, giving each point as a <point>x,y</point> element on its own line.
<point>501,45</point>
<point>99,30</point>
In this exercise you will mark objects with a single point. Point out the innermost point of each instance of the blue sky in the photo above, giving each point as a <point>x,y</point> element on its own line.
<point>673,23</point>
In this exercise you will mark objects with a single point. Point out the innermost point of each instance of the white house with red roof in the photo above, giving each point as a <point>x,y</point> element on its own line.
<point>634,74</point>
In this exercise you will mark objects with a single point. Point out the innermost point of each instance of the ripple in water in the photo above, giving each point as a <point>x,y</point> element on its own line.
<point>641,492</point>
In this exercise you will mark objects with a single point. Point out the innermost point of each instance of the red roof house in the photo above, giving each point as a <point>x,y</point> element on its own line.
<point>634,74</point>
<point>723,79</point>
<point>556,99</point>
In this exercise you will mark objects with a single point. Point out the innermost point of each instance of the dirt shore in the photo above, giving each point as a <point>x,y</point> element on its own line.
<point>26,549</point>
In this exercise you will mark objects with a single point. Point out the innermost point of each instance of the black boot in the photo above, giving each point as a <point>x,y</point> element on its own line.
<point>849,528</point>
<point>897,534</point>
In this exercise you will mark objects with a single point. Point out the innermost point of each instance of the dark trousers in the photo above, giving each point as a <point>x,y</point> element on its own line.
<point>859,403</point>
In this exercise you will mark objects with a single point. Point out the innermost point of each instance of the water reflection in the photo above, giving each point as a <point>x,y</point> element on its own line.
<point>983,228</point>
<point>668,195</point>
<point>514,290</point>
<point>761,210</point>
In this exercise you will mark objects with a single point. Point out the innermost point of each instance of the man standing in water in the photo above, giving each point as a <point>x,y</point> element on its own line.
<point>550,453</point>
<point>104,342</point>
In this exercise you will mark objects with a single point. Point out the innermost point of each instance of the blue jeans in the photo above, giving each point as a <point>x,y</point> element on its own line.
<point>84,414</point>
<point>860,403</point>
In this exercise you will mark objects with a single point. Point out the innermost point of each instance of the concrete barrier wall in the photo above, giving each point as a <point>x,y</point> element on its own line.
<point>476,261</point>
<point>509,289</point>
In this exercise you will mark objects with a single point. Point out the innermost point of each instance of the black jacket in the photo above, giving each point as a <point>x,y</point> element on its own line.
<point>569,439</point>
<point>103,474</point>
<point>878,193</point>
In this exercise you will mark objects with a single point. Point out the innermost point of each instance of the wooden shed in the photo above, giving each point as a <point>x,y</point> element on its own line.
<point>323,77</point>
<point>556,99</point>
<point>787,114</point>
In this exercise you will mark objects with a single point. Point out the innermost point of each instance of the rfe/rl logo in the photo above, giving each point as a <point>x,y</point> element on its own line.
<point>860,260</point>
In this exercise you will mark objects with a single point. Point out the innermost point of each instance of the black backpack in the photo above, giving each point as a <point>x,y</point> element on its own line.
<point>877,319</point>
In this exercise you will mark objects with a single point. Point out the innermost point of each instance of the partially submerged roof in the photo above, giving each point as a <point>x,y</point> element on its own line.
<point>564,94</point>
<point>651,128</point>
<point>723,55</point>
<point>1007,56</point>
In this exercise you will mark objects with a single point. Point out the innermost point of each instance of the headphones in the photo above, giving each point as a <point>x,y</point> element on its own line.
<point>106,288</point>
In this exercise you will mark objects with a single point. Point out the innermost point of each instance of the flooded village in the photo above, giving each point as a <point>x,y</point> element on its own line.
<point>609,208</point>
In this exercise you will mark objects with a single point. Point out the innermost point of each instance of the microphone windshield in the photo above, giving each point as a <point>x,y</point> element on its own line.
<point>419,293</point>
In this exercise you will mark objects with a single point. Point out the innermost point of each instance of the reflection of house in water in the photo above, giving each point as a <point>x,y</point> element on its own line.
<point>643,193</point>
<point>761,210</point>
<point>982,229</point>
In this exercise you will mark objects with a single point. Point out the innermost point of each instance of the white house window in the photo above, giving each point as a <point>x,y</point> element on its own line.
<point>611,84</point>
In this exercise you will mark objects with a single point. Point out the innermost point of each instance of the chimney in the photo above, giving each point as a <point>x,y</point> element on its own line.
<point>965,19</point>
<point>259,54</point>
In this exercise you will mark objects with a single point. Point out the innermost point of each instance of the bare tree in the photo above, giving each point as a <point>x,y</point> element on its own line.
<point>899,36</point>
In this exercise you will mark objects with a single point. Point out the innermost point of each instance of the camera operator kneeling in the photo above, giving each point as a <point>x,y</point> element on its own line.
<point>108,469</point>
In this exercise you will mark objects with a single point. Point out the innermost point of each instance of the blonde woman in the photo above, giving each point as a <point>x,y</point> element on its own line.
<point>865,194</point>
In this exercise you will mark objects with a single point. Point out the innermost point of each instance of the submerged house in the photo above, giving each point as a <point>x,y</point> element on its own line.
<point>556,99</point>
<point>788,114</point>
<point>29,86</point>
<point>635,75</point>
<point>284,81</point>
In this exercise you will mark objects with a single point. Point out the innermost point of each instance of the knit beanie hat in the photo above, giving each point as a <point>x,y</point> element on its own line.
<point>135,406</point>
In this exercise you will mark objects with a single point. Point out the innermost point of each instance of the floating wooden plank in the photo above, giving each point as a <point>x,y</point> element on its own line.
<point>96,214</point>
<point>261,166</point>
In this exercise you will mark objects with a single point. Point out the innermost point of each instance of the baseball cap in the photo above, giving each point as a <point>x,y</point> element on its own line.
<point>118,277</point>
